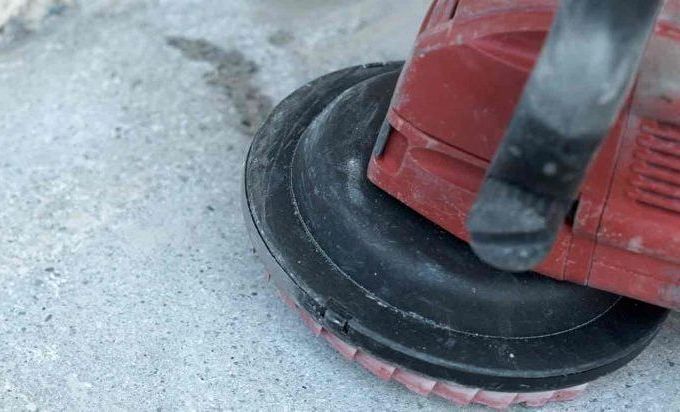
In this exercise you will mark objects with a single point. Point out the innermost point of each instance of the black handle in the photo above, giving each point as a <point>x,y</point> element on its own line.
<point>572,99</point>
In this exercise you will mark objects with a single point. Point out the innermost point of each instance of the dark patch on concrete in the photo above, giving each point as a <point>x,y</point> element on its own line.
<point>233,74</point>
<point>281,38</point>
<point>12,32</point>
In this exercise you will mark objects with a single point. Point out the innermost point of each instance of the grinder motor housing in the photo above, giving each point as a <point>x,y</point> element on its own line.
<point>455,101</point>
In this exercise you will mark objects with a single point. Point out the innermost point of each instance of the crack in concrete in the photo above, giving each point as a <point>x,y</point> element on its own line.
<point>233,74</point>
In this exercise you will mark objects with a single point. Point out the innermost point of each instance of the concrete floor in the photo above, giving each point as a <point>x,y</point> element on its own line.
<point>127,281</point>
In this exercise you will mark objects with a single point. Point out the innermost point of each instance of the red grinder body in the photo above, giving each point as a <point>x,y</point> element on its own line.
<point>454,101</point>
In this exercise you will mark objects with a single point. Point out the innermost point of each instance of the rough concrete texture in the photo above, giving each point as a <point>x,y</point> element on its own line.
<point>30,12</point>
<point>127,281</point>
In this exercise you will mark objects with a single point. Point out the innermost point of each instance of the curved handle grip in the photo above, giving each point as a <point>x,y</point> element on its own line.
<point>571,101</point>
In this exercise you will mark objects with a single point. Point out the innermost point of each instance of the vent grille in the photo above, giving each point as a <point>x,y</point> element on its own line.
<point>442,12</point>
<point>656,168</point>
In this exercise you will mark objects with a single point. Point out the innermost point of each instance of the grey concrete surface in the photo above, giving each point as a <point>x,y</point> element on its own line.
<point>127,281</point>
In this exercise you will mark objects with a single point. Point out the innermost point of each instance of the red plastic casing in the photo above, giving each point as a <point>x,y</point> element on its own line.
<point>457,95</point>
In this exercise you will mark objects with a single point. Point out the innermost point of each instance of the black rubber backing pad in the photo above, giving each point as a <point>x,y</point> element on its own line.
<point>389,281</point>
